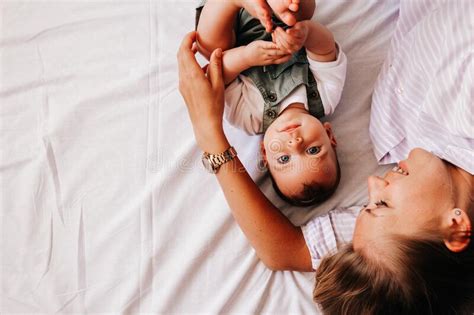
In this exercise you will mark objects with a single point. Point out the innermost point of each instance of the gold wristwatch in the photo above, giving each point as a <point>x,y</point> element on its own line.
<point>212,162</point>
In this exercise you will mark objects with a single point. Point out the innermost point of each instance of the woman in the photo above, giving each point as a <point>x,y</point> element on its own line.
<point>412,251</point>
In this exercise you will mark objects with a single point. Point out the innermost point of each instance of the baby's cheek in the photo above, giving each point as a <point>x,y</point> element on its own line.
<point>314,165</point>
<point>273,146</point>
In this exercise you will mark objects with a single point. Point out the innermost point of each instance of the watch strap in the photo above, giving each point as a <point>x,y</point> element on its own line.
<point>216,160</point>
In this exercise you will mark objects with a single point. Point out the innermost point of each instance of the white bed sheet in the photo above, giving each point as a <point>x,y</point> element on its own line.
<point>105,207</point>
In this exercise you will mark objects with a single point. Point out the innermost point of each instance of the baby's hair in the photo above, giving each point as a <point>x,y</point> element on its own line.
<point>312,193</point>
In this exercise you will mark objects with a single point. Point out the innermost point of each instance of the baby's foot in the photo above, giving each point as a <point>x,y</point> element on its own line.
<point>285,10</point>
<point>260,10</point>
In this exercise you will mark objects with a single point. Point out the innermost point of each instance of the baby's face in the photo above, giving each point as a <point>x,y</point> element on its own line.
<point>299,150</point>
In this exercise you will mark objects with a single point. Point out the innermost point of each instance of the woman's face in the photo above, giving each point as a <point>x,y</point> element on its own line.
<point>407,200</point>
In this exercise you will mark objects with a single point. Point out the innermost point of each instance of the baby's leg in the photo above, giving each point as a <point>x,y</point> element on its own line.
<point>216,26</point>
<point>291,11</point>
<point>217,22</point>
<point>306,9</point>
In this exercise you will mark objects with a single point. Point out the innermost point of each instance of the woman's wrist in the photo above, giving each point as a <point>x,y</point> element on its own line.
<point>212,140</point>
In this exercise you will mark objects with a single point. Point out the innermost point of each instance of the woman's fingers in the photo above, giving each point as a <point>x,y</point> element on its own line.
<point>214,70</point>
<point>194,47</point>
<point>187,64</point>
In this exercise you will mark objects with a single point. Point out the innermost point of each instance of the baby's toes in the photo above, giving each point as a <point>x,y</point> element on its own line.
<point>288,18</point>
<point>294,7</point>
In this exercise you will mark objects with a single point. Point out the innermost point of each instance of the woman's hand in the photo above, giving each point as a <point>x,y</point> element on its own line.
<point>293,39</point>
<point>203,93</point>
<point>262,53</point>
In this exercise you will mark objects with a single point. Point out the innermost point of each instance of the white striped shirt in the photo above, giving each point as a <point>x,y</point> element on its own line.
<point>424,94</point>
<point>423,98</point>
<point>325,234</point>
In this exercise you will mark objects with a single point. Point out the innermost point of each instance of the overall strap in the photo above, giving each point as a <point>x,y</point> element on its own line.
<point>276,82</point>
<point>315,103</point>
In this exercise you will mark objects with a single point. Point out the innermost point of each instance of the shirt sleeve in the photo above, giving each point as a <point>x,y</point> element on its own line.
<point>330,78</point>
<point>326,234</point>
<point>244,106</point>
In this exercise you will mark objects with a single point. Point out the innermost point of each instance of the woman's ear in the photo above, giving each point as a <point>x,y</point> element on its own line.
<point>459,230</point>
<point>331,136</point>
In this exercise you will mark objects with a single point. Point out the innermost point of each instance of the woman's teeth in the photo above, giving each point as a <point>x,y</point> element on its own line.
<point>398,169</point>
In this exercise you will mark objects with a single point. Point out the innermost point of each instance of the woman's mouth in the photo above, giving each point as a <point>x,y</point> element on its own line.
<point>401,168</point>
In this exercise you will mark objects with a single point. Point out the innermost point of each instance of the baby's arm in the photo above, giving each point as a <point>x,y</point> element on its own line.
<point>216,26</point>
<point>320,43</point>
<point>257,53</point>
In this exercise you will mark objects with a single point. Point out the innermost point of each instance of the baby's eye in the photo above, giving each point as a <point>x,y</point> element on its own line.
<point>283,159</point>
<point>313,150</point>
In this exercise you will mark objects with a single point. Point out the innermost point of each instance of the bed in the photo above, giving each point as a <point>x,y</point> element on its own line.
<point>105,207</point>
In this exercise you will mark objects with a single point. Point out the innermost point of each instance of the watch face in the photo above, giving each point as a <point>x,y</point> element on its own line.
<point>207,164</point>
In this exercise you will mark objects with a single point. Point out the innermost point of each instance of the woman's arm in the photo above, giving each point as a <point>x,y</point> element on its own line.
<point>278,243</point>
<point>276,240</point>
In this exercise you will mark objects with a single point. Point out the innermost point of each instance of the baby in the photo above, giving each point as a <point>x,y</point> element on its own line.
<point>280,81</point>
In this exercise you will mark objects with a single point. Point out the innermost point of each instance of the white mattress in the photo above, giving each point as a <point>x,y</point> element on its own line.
<point>105,207</point>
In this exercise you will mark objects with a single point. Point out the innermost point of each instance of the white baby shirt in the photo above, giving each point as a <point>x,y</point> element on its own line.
<point>244,103</point>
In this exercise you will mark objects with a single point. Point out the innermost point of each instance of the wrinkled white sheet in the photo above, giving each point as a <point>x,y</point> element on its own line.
<point>104,204</point>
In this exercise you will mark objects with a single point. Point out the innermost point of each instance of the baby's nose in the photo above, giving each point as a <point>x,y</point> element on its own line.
<point>295,141</point>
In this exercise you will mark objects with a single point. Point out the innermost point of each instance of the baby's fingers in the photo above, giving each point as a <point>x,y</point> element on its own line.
<point>295,33</point>
<point>282,59</point>
<point>275,53</point>
<point>267,45</point>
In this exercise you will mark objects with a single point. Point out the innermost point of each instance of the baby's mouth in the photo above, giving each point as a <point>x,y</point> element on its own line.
<point>289,128</point>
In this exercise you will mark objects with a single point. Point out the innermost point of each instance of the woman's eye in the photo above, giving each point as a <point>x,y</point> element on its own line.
<point>381,203</point>
<point>283,159</point>
<point>313,150</point>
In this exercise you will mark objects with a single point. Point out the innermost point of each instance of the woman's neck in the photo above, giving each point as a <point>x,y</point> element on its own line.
<point>463,183</point>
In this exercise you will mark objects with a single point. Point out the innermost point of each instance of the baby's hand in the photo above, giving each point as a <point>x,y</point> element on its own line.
<point>291,40</point>
<point>262,53</point>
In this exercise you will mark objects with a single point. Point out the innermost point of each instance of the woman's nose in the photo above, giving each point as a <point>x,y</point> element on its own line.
<point>376,185</point>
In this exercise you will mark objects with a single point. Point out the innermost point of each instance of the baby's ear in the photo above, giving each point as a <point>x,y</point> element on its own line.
<point>263,154</point>
<point>331,135</point>
<point>262,162</point>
